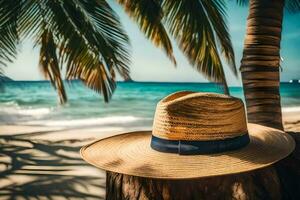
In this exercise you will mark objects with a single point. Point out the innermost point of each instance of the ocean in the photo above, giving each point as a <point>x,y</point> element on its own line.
<point>133,103</point>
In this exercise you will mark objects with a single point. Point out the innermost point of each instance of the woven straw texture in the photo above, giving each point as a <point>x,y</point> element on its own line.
<point>191,116</point>
<point>131,154</point>
<point>199,116</point>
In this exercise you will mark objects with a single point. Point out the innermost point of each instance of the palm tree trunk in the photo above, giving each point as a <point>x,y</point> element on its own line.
<point>261,61</point>
<point>261,80</point>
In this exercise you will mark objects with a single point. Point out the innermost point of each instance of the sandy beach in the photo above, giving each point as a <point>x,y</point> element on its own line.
<point>291,121</point>
<point>44,162</point>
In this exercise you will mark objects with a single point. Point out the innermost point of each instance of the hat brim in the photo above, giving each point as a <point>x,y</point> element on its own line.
<point>131,154</point>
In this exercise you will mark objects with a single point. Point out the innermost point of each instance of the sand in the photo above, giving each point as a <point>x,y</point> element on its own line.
<point>44,162</point>
<point>291,121</point>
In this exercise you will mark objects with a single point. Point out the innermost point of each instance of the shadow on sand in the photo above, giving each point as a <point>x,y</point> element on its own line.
<point>40,169</point>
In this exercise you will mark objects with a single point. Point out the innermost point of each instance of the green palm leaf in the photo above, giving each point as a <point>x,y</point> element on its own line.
<point>148,15</point>
<point>242,2</point>
<point>91,40</point>
<point>199,26</point>
<point>9,11</point>
<point>86,37</point>
<point>293,5</point>
<point>216,14</point>
<point>49,63</point>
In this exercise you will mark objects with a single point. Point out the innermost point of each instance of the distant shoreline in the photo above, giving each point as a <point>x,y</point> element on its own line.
<point>144,82</point>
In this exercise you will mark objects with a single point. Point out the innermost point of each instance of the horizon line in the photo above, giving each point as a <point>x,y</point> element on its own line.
<point>133,81</point>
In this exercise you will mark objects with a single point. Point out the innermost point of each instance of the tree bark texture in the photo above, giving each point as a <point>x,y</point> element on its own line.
<point>260,184</point>
<point>261,61</point>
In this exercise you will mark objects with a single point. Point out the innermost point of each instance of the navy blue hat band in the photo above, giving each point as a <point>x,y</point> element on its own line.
<point>185,147</point>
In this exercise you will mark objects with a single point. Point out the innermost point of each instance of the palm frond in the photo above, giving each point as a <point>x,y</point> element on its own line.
<point>32,18</point>
<point>197,25</point>
<point>292,6</point>
<point>9,11</point>
<point>148,15</point>
<point>98,78</point>
<point>90,35</point>
<point>89,39</point>
<point>242,2</point>
<point>1,80</point>
<point>49,63</point>
<point>216,14</point>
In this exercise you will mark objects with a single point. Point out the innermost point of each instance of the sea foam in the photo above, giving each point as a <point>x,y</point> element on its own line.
<point>291,109</point>
<point>29,111</point>
<point>87,121</point>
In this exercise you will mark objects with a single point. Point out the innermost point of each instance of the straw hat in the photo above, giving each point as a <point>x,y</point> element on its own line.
<point>194,135</point>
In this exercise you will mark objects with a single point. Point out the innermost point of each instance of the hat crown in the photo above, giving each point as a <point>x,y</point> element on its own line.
<point>193,116</point>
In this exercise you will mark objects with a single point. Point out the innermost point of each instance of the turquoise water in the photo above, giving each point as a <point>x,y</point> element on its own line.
<point>133,103</point>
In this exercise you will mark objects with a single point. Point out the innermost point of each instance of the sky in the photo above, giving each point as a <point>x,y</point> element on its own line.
<point>149,63</point>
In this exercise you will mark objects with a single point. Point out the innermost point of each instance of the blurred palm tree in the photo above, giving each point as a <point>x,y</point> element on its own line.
<point>87,37</point>
<point>260,65</point>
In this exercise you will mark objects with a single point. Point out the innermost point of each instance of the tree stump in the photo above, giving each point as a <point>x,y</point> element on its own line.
<point>260,184</point>
<point>281,181</point>
<point>288,171</point>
